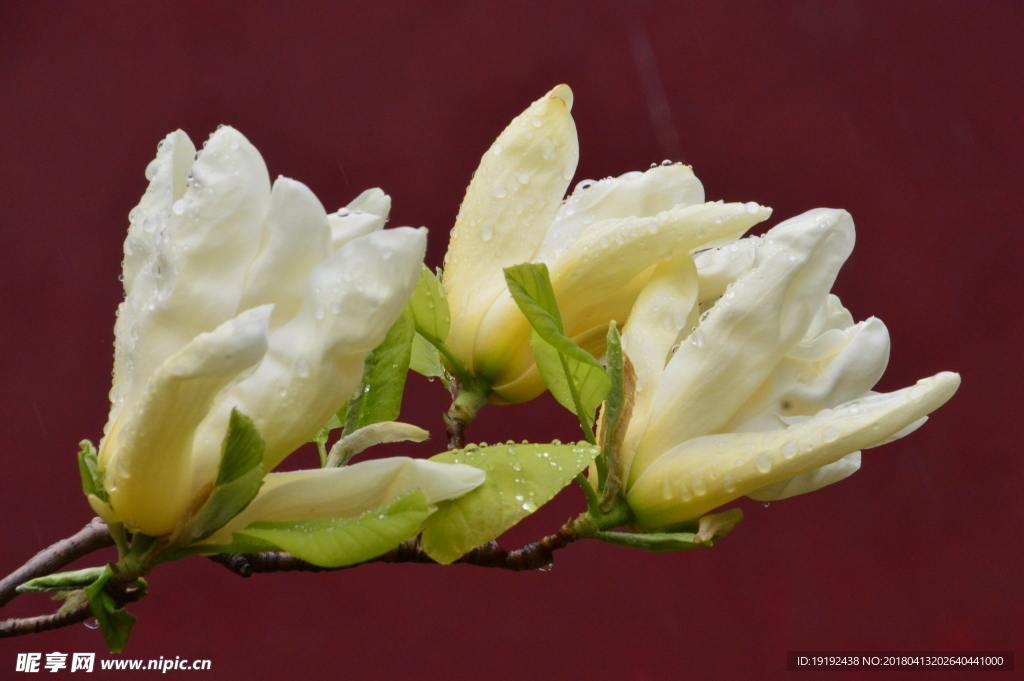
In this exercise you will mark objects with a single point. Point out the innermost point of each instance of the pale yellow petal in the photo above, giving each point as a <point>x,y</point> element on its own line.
<point>706,472</point>
<point>147,455</point>
<point>634,194</point>
<point>509,205</point>
<point>748,331</point>
<point>315,361</point>
<point>350,491</point>
<point>597,267</point>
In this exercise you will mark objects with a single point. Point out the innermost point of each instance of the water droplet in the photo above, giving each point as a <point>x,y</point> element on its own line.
<point>752,207</point>
<point>496,149</point>
<point>499,191</point>
<point>766,504</point>
<point>487,231</point>
<point>529,507</point>
<point>700,488</point>
<point>536,122</point>
<point>342,212</point>
<point>763,463</point>
<point>91,623</point>
<point>789,449</point>
<point>547,568</point>
<point>179,206</point>
<point>517,466</point>
<point>319,312</point>
<point>547,151</point>
<point>830,434</point>
<point>522,178</point>
<point>730,484</point>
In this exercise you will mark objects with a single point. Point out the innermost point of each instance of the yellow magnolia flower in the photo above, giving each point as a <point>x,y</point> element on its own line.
<point>239,295</point>
<point>601,244</point>
<point>766,391</point>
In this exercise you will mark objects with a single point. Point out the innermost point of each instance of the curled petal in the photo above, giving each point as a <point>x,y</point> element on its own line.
<point>314,362</point>
<point>804,384</point>
<point>365,214</point>
<point>351,490</point>
<point>147,454</point>
<point>748,331</point>
<point>638,194</point>
<point>706,472</point>
<point>296,238</point>
<point>511,200</point>
<point>811,481</point>
<point>371,435</point>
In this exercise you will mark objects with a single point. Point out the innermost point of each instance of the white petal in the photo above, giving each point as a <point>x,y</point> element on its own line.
<point>167,176</point>
<point>721,266</point>
<point>809,482</point>
<point>315,361</point>
<point>748,331</point>
<point>194,280</point>
<point>706,472</point>
<point>803,387</point>
<point>638,194</point>
<point>147,455</point>
<point>512,199</point>
<point>367,213</point>
<point>351,490</point>
<point>296,238</point>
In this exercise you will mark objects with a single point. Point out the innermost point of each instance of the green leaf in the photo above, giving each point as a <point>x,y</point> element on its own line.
<point>336,542</point>
<point>425,359</point>
<point>379,396</point>
<point>88,466</point>
<point>520,479</point>
<point>585,383</point>
<point>428,308</point>
<point>656,541</point>
<point>242,449</point>
<point>238,480</point>
<point>62,581</point>
<point>115,623</point>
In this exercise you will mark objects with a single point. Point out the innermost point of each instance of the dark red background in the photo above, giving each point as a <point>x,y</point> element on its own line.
<point>906,114</point>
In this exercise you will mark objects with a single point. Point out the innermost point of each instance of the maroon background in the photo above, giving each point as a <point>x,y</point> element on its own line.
<point>908,115</point>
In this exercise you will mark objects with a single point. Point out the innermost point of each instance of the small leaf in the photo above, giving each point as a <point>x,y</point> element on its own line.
<point>115,623</point>
<point>718,524</point>
<point>425,359</point>
<point>656,541</point>
<point>238,480</point>
<point>379,396</point>
<point>242,449</point>
<point>428,308</point>
<point>62,581</point>
<point>225,503</point>
<point>520,479</point>
<point>373,434</point>
<point>617,411</point>
<point>586,383</point>
<point>92,479</point>
<point>336,542</point>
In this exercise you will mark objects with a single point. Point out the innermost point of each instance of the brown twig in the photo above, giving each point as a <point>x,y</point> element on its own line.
<point>533,556</point>
<point>92,537</point>
<point>37,625</point>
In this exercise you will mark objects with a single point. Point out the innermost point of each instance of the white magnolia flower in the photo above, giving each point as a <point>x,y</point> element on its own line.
<point>766,391</point>
<point>242,296</point>
<point>600,245</point>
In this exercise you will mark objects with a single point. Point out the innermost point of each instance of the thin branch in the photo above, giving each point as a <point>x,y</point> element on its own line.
<point>92,537</point>
<point>533,556</point>
<point>37,625</point>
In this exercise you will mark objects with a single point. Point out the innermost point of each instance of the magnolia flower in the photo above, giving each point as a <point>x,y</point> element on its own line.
<point>766,391</point>
<point>600,244</point>
<point>242,296</point>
